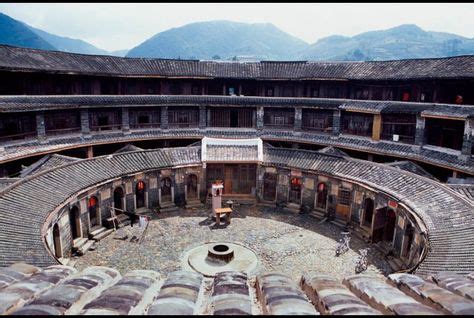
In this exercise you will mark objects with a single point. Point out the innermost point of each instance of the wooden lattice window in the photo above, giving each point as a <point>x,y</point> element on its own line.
<point>345,197</point>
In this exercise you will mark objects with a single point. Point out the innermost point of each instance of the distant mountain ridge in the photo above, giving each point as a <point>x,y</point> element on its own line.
<point>17,33</point>
<point>406,41</point>
<point>227,40</point>
<point>221,40</point>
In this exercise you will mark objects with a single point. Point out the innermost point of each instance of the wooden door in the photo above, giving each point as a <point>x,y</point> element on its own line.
<point>228,179</point>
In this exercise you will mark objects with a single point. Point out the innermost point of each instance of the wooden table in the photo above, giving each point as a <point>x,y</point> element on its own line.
<point>226,211</point>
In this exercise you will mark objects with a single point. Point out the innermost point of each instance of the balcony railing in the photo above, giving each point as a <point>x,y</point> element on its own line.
<point>62,131</point>
<point>106,127</point>
<point>19,136</point>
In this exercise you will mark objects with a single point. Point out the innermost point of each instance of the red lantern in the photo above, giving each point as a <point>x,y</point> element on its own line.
<point>406,96</point>
<point>92,202</point>
<point>140,186</point>
<point>321,187</point>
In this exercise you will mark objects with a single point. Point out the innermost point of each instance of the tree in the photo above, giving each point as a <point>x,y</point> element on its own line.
<point>234,58</point>
<point>216,57</point>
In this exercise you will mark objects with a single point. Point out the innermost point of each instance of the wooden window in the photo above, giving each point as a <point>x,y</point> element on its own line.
<point>288,91</point>
<point>269,91</point>
<point>357,123</point>
<point>401,125</point>
<point>144,117</point>
<point>183,117</point>
<point>279,118</point>
<point>232,117</point>
<point>317,120</point>
<point>345,197</point>
<point>62,122</point>
<point>17,126</point>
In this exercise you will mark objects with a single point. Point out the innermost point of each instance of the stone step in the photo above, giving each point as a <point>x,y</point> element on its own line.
<point>79,242</point>
<point>318,214</point>
<point>85,247</point>
<point>97,231</point>
<point>172,208</point>
<point>64,260</point>
<point>339,223</point>
<point>102,235</point>
<point>395,264</point>
<point>194,204</point>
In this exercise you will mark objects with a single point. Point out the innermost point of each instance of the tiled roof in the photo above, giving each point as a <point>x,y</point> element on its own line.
<point>410,166</point>
<point>63,290</point>
<point>47,162</point>
<point>127,148</point>
<point>466,190</point>
<point>448,232</point>
<point>15,58</point>
<point>25,207</point>
<point>230,153</point>
<point>333,151</point>
<point>19,149</point>
<point>39,102</point>
<point>5,182</point>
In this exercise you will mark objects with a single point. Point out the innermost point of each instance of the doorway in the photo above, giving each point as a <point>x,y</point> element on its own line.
<point>192,185</point>
<point>118,199</point>
<point>165,189</point>
<point>93,202</point>
<point>269,186</point>
<point>295,190</point>
<point>57,241</point>
<point>140,194</point>
<point>238,178</point>
<point>74,221</point>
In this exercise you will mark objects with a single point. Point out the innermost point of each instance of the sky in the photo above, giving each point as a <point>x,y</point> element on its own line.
<point>117,26</point>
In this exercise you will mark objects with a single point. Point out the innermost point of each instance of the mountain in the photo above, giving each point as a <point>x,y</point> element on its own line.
<point>67,44</point>
<point>17,33</point>
<point>401,42</point>
<point>221,40</point>
<point>120,53</point>
<point>13,32</point>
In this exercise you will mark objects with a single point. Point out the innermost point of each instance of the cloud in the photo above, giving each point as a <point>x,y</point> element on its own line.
<point>115,26</point>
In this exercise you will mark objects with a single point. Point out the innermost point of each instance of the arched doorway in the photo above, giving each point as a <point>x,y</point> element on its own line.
<point>74,221</point>
<point>295,190</point>
<point>322,196</point>
<point>409,234</point>
<point>93,207</point>
<point>118,200</point>
<point>390,225</point>
<point>368,212</point>
<point>57,241</point>
<point>269,186</point>
<point>140,194</point>
<point>165,189</point>
<point>192,186</point>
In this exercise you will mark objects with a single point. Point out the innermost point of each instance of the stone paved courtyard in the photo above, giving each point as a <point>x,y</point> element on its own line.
<point>284,242</point>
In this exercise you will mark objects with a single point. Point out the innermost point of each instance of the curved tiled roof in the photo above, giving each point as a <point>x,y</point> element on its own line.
<point>448,217</point>
<point>62,290</point>
<point>16,58</point>
<point>438,156</point>
<point>40,102</point>
<point>24,207</point>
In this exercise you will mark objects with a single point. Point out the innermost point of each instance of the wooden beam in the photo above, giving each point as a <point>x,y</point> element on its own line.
<point>377,127</point>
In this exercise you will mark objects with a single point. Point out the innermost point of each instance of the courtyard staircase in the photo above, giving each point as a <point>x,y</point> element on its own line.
<point>194,204</point>
<point>81,245</point>
<point>168,207</point>
<point>293,207</point>
<point>99,233</point>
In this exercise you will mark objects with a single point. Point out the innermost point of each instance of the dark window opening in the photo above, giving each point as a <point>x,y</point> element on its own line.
<point>444,133</point>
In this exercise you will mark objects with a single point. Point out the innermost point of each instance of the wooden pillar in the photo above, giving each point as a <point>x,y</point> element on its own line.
<point>40,127</point>
<point>298,118</point>
<point>468,137</point>
<point>125,121</point>
<point>224,90</point>
<point>377,127</point>
<point>85,125</point>
<point>240,89</point>
<point>420,131</point>
<point>455,174</point>
<point>90,152</point>
<point>260,113</point>
<point>164,117</point>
